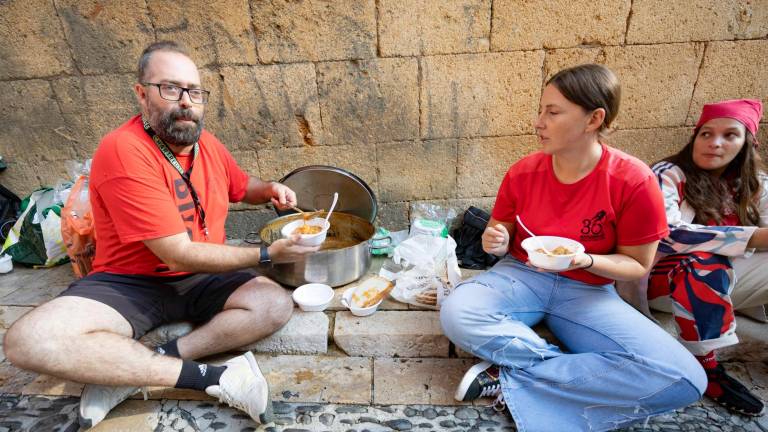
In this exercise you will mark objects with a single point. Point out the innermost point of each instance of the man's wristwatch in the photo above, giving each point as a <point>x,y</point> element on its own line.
<point>264,259</point>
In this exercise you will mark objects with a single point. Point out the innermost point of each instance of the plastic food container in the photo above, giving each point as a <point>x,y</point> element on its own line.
<point>307,239</point>
<point>313,297</point>
<point>346,300</point>
<point>538,258</point>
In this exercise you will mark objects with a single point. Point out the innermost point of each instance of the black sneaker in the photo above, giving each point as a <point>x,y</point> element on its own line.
<point>481,380</point>
<point>725,390</point>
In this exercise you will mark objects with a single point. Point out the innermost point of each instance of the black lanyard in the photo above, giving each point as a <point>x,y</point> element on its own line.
<point>186,176</point>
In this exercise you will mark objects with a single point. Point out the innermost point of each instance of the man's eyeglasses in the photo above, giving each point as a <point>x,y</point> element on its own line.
<point>174,93</point>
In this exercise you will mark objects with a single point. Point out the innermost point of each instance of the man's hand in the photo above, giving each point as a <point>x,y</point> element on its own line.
<point>496,240</point>
<point>282,196</point>
<point>287,250</point>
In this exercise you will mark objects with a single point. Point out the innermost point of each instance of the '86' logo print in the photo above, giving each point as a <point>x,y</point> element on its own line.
<point>592,228</point>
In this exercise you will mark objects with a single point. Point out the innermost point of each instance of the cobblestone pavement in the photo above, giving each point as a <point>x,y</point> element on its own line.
<point>39,413</point>
<point>319,386</point>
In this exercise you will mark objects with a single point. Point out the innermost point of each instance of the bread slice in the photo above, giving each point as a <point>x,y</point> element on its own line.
<point>371,291</point>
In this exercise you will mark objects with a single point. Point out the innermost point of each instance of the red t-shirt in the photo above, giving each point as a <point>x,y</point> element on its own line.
<point>137,195</point>
<point>618,203</point>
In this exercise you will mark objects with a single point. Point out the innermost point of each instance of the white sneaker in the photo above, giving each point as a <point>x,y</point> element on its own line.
<point>97,401</point>
<point>243,386</point>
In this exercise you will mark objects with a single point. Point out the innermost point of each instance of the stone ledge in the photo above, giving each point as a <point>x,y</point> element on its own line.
<point>418,381</point>
<point>391,334</point>
<point>305,333</point>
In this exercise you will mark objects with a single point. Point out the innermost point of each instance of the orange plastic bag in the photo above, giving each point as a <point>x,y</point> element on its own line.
<point>77,228</point>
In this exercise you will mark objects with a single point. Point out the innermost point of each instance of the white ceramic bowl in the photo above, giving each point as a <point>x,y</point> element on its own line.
<point>551,262</point>
<point>314,297</point>
<point>346,300</point>
<point>6,265</point>
<point>307,239</point>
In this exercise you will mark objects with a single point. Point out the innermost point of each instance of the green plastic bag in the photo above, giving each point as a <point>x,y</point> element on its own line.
<point>35,238</point>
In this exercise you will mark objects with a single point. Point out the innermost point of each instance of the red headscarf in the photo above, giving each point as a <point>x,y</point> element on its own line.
<point>747,111</point>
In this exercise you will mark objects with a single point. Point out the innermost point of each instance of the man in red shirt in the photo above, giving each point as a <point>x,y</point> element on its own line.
<point>160,187</point>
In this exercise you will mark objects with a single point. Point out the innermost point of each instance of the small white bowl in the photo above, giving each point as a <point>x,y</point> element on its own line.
<point>346,300</point>
<point>551,262</point>
<point>6,265</point>
<point>313,297</point>
<point>307,239</point>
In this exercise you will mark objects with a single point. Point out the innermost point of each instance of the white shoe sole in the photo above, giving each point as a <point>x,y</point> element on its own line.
<point>267,415</point>
<point>472,373</point>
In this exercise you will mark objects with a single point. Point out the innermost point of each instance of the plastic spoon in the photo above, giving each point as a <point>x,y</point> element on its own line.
<point>333,205</point>
<point>533,235</point>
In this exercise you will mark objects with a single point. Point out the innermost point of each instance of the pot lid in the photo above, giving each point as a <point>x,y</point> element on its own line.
<point>315,184</point>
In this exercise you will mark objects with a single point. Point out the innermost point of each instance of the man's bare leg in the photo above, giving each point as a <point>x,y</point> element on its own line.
<point>83,340</point>
<point>255,310</point>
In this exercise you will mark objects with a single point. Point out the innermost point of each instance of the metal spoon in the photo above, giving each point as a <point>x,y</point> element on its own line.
<point>533,235</point>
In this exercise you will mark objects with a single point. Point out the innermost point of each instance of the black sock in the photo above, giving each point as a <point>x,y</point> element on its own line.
<point>198,376</point>
<point>170,348</point>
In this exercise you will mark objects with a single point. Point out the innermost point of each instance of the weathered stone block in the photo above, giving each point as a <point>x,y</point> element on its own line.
<point>241,224</point>
<point>434,27</point>
<point>661,21</point>
<point>372,101</point>
<point>391,333</point>
<point>393,216</point>
<point>11,314</point>
<point>217,32</point>
<point>92,107</point>
<point>132,416</point>
<point>418,381</point>
<point>13,379</point>
<point>483,162</point>
<point>480,94</point>
<point>555,24</point>
<point>106,36</point>
<point>248,160</point>
<point>650,145</point>
<point>318,379</point>
<point>731,70</point>
<point>656,80</point>
<point>359,160</point>
<point>32,287</point>
<point>305,333</point>
<point>266,106</point>
<point>288,31</point>
<point>31,117</point>
<point>33,41</point>
<point>417,170</point>
<point>52,386</point>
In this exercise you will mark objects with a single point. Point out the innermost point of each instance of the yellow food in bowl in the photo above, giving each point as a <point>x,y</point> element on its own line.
<point>308,229</point>
<point>560,250</point>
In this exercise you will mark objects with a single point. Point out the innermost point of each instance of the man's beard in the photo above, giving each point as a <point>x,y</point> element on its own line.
<point>165,126</point>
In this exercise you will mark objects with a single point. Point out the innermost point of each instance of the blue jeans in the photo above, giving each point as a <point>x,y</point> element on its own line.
<point>620,367</point>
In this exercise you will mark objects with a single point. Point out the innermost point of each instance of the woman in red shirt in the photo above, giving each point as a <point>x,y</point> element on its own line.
<point>619,367</point>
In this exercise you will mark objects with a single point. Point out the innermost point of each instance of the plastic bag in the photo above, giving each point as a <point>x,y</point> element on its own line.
<point>425,270</point>
<point>35,238</point>
<point>77,229</point>
<point>431,219</point>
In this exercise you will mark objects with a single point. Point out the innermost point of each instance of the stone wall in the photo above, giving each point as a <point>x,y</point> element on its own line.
<point>423,99</point>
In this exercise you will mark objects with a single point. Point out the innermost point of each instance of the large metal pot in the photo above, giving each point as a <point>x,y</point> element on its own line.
<point>344,257</point>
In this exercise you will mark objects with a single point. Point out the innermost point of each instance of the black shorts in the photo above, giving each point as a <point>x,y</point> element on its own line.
<point>149,301</point>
